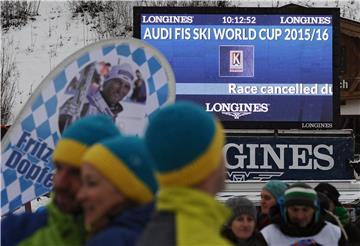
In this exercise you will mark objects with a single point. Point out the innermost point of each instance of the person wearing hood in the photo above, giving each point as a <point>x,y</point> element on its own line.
<point>241,228</point>
<point>117,192</point>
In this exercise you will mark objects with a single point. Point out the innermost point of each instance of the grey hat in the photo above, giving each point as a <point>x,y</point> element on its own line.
<point>241,205</point>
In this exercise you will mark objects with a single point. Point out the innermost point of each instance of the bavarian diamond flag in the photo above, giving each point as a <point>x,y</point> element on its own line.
<point>85,83</point>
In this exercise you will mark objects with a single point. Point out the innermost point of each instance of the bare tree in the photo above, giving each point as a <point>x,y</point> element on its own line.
<point>16,13</point>
<point>9,76</point>
<point>113,19</point>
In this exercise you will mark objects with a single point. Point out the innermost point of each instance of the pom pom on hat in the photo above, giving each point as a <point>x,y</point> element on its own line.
<point>126,164</point>
<point>186,143</point>
<point>80,135</point>
<point>276,188</point>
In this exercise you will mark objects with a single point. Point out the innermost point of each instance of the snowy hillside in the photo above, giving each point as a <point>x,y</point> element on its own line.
<point>42,44</point>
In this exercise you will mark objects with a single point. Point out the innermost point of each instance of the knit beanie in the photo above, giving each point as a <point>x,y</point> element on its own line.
<point>126,164</point>
<point>241,205</point>
<point>186,143</point>
<point>330,191</point>
<point>276,188</point>
<point>80,135</point>
<point>300,194</point>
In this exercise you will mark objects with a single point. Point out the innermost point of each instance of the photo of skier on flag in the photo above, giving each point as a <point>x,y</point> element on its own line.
<point>100,89</point>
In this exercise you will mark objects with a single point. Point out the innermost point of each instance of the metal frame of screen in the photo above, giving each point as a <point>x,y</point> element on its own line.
<point>291,9</point>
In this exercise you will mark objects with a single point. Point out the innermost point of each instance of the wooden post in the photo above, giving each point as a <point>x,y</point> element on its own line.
<point>28,207</point>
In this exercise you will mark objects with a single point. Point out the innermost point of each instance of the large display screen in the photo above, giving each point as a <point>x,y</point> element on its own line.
<point>252,67</point>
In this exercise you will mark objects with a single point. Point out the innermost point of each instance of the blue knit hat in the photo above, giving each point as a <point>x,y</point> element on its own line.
<point>186,143</point>
<point>80,135</point>
<point>126,164</point>
<point>276,188</point>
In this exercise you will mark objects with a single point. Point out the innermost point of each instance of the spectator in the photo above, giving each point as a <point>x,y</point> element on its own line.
<point>272,191</point>
<point>350,230</point>
<point>186,143</point>
<point>241,228</point>
<point>327,214</point>
<point>61,222</point>
<point>301,222</point>
<point>117,191</point>
<point>334,205</point>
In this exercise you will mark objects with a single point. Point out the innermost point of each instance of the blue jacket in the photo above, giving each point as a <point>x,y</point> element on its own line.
<point>47,227</point>
<point>15,228</point>
<point>125,228</point>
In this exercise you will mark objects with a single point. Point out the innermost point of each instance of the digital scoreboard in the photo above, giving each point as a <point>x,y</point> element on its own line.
<point>252,67</point>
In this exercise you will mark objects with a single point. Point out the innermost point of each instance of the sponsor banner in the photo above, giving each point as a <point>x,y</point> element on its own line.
<point>125,79</point>
<point>288,158</point>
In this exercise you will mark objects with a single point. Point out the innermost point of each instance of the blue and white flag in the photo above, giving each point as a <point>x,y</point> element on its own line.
<point>84,83</point>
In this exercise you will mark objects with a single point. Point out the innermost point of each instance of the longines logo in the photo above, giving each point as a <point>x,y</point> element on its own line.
<point>237,110</point>
<point>236,176</point>
<point>316,125</point>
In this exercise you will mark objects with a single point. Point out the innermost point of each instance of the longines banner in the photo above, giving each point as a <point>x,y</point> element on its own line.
<point>288,158</point>
<point>125,79</point>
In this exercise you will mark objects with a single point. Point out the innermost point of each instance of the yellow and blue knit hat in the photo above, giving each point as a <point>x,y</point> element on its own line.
<point>186,143</point>
<point>126,164</point>
<point>80,135</point>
